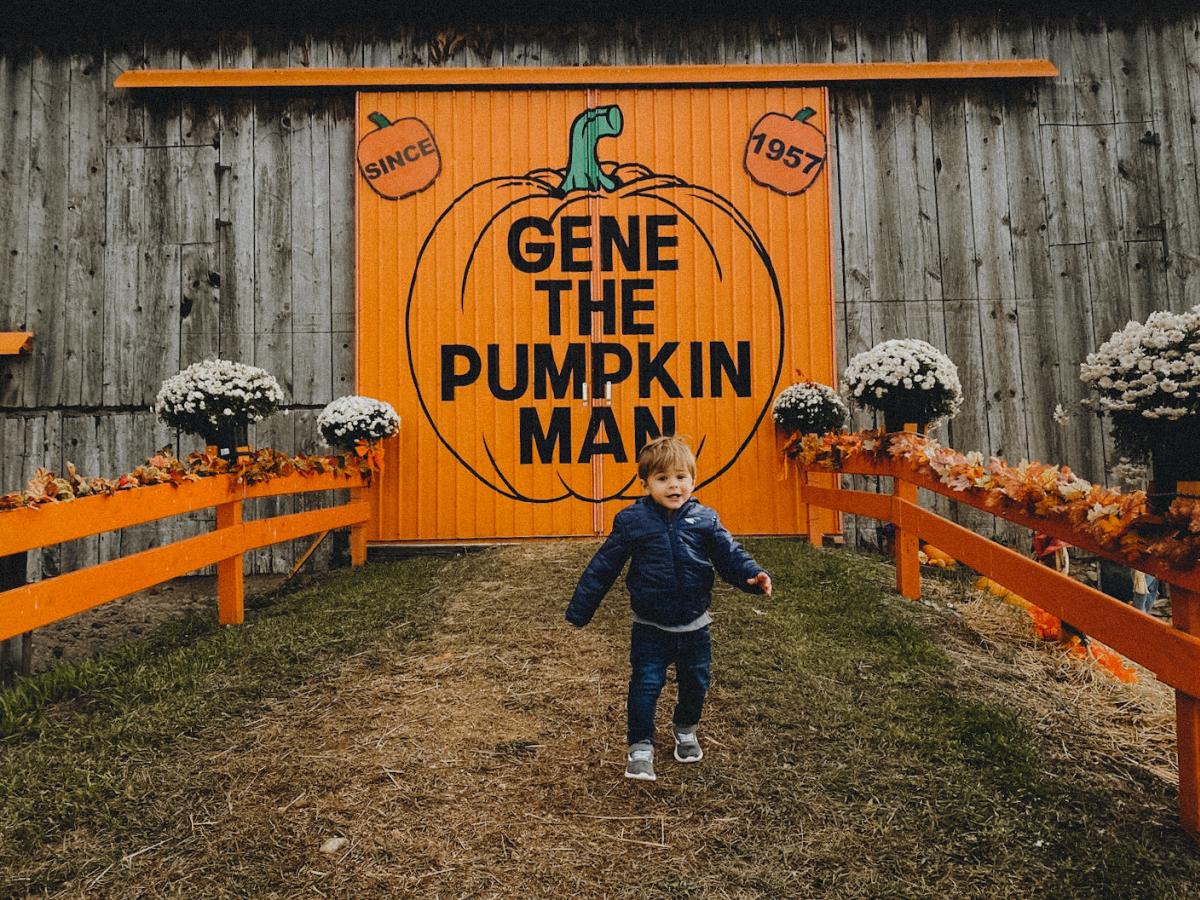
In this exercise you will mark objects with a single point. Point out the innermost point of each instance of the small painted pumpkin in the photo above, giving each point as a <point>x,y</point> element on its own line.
<point>786,154</point>
<point>399,158</point>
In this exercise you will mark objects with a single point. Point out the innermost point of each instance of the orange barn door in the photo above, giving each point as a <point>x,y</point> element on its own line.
<point>546,279</point>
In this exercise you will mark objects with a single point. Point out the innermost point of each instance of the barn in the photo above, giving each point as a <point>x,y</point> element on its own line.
<point>361,204</point>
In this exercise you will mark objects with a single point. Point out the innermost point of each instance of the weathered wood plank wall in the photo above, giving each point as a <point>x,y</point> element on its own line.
<point>1014,224</point>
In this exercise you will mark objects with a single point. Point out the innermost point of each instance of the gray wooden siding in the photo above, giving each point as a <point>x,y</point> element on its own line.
<point>1015,224</point>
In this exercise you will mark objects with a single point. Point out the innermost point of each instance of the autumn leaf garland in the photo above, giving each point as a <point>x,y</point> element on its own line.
<point>1116,521</point>
<point>165,468</point>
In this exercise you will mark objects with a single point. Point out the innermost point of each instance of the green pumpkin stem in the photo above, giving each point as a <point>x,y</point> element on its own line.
<point>805,114</point>
<point>379,119</point>
<point>583,165</point>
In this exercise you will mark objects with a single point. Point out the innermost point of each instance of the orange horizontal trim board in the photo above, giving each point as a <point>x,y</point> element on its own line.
<point>262,532</point>
<point>13,342</point>
<point>53,523</point>
<point>859,503</point>
<point>1172,655</point>
<point>591,76</point>
<point>35,605</point>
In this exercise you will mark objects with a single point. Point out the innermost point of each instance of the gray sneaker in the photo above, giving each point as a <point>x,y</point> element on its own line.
<point>640,762</point>
<point>687,748</point>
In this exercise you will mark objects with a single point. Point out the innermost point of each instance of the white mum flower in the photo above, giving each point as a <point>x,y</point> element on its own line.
<point>905,377</point>
<point>211,395</point>
<point>353,418</point>
<point>1138,366</point>
<point>809,407</point>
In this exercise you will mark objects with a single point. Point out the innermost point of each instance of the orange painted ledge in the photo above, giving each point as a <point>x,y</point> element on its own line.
<point>586,76</point>
<point>13,342</point>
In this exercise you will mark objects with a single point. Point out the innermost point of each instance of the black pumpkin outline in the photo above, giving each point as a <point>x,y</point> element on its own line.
<point>549,190</point>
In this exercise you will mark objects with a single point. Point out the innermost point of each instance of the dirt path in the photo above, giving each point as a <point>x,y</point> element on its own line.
<point>462,770</point>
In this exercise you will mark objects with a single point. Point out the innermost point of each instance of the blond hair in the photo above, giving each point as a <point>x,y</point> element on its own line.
<point>666,454</point>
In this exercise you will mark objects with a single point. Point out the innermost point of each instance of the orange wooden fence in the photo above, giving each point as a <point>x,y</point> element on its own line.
<point>31,606</point>
<point>1171,653</point>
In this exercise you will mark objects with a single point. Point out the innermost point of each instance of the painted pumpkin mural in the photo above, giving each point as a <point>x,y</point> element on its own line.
<point>591,268</point>
<point>608,259</point>
<point>786,154</point>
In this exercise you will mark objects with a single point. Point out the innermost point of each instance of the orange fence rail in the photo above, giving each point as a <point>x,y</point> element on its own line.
<point>31,606</point>
<point>1171,652</point>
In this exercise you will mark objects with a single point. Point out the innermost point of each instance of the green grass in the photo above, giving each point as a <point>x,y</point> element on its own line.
<point>76,741</point>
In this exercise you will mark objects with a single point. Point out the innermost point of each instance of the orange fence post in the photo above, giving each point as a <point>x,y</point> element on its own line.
<point>231,584</point>
<point>1185,615</point>
<point>811,520</point>
<point>358,533</point>
<point>907,544</point>
<point>908,565</point>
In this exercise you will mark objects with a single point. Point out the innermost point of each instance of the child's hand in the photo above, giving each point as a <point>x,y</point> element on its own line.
<point>762,581</point>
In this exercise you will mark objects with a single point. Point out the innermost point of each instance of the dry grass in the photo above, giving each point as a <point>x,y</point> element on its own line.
<point>1129,726</point>
<point>132,618</point>
<point>846,756</point>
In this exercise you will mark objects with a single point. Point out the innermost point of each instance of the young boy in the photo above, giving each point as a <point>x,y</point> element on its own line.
<point>672,538</point>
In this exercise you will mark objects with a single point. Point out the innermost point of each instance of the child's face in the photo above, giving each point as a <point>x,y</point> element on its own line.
<point>670,489</point>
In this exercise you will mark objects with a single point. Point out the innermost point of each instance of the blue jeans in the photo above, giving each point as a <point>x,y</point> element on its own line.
<point>651,651</point>
<point>1146,600</point>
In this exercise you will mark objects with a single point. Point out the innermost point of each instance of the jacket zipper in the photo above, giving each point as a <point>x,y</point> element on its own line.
<point>674,538</point>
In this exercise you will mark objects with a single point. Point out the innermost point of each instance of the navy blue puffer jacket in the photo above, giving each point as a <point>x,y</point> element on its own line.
<point>671,577</point>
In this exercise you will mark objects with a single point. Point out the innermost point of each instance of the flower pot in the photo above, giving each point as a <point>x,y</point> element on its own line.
<point>1175,458</point>
<point>894,422</point>
<point>228,440</point>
